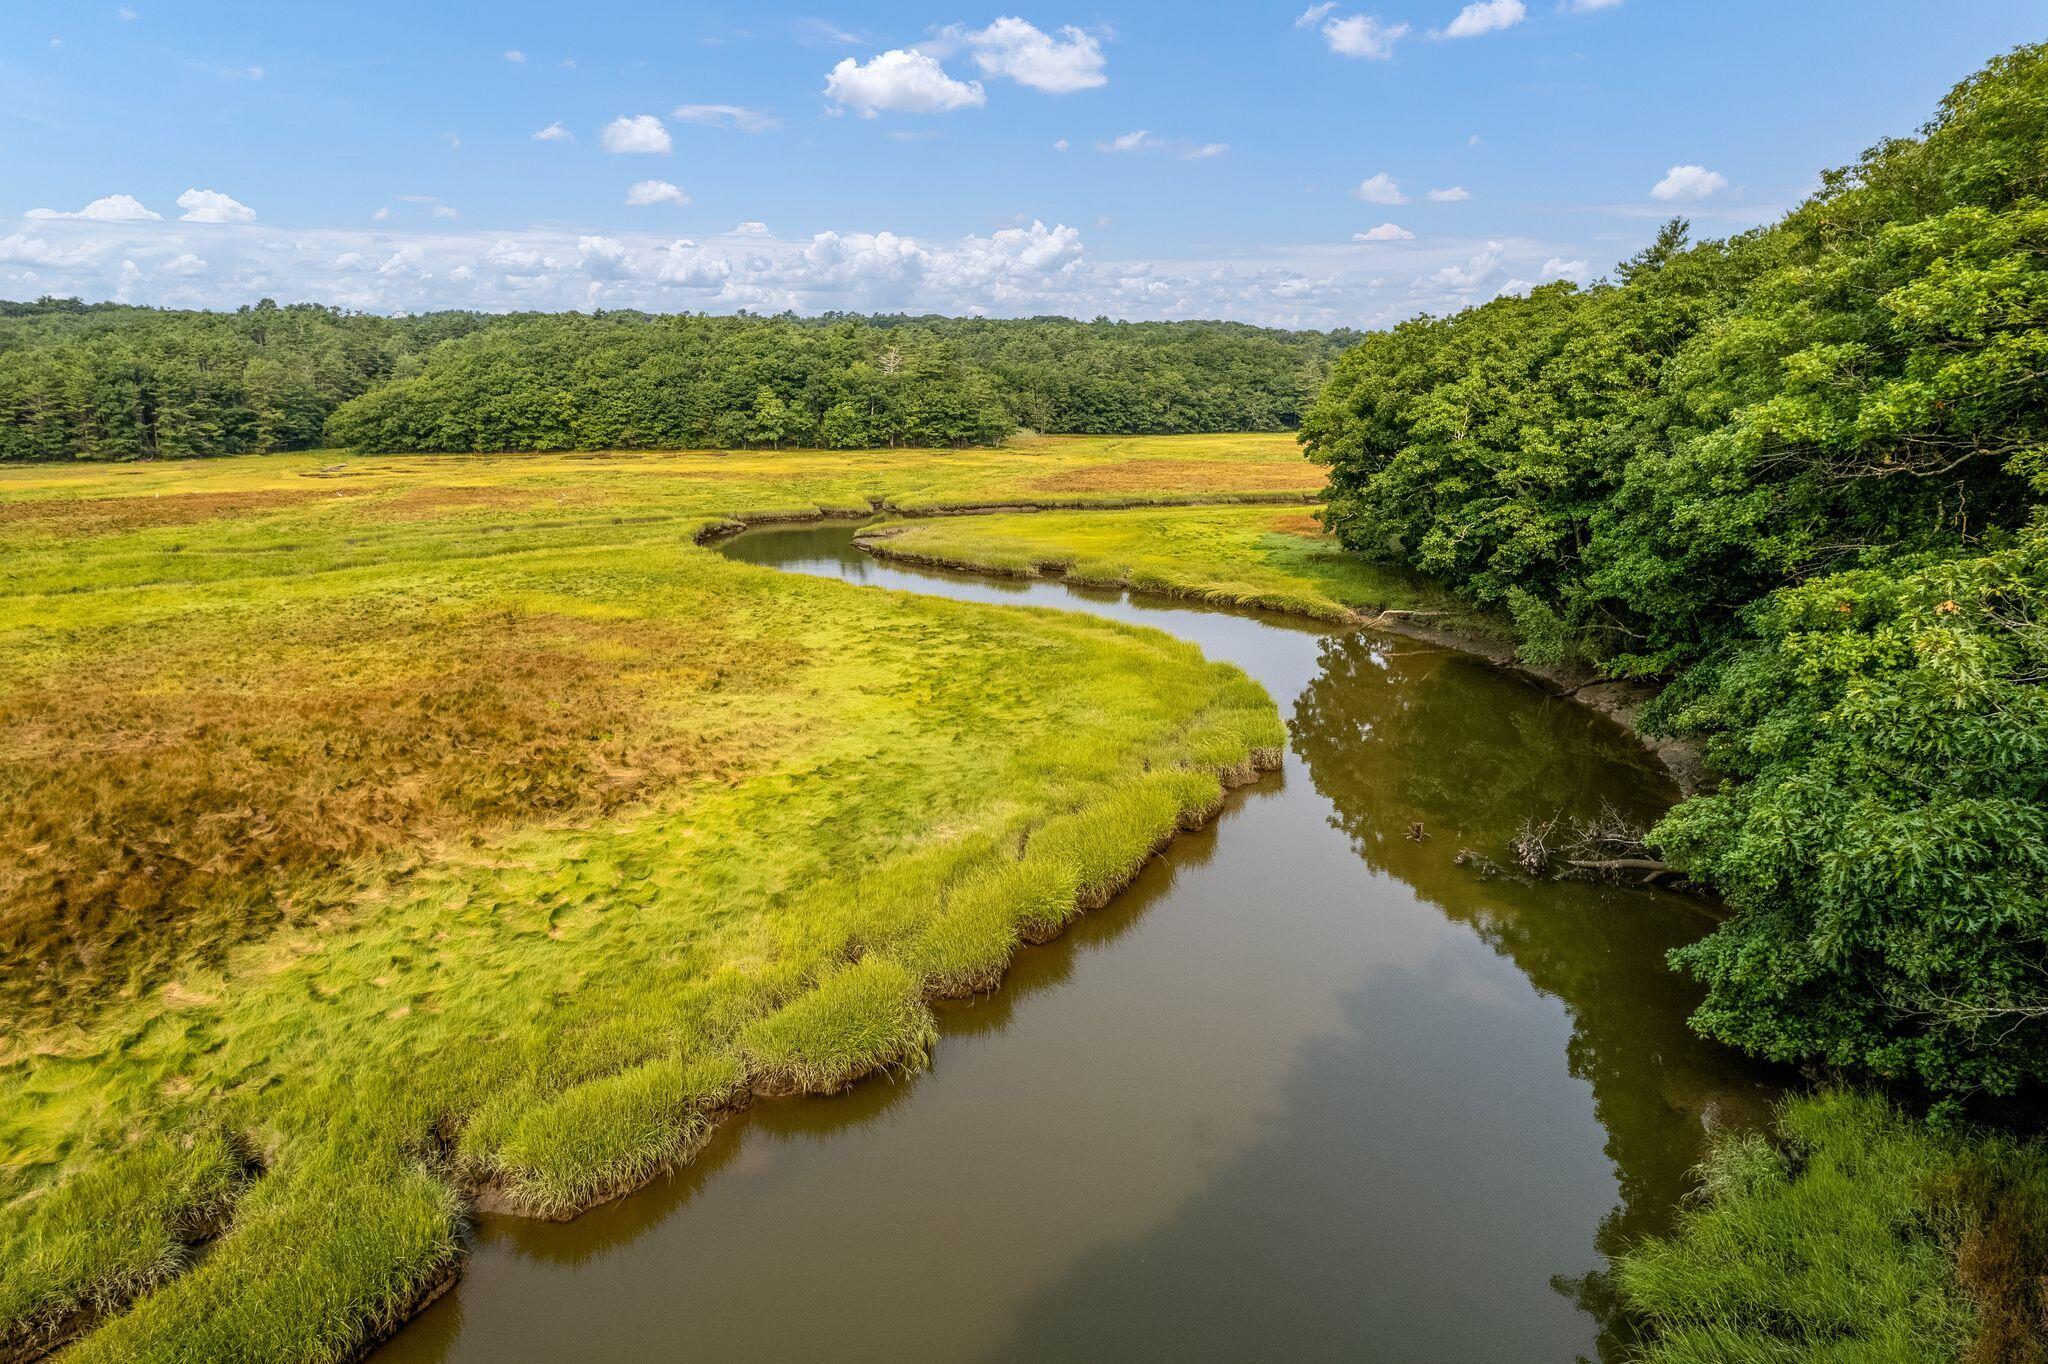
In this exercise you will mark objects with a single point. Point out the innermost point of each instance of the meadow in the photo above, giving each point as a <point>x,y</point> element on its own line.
<point>401,835</point>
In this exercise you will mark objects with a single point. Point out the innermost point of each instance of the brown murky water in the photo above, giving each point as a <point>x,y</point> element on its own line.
<point>1308,1090</point>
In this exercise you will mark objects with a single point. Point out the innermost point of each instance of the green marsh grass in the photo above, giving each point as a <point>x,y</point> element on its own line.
<point>1861,1234</point>
<point>414,830</point>
<point>1265,557</point>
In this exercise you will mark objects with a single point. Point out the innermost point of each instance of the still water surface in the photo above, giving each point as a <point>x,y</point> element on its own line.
<point>1307,1090</point>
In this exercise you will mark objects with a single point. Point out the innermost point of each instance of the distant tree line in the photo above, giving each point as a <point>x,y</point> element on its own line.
<point>105,381</point>
<point>1801,475</point>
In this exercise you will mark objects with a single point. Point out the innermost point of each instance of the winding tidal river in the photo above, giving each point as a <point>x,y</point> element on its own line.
<point>1307,1090</point>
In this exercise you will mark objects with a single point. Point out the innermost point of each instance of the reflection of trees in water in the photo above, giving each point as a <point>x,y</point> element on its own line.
<point>1395,734</point>
<point>1398,732</point>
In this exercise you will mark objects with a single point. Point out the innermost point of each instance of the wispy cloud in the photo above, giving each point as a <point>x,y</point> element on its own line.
<point>824,33</point>
<point>735,116</point>
<point>1486,16</point>
<point>1145,140</point>
<point>1352,35</point>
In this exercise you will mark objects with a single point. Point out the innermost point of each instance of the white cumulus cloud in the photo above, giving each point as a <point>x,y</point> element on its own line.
<point>898,81</point>
<point>687,265</point>
<point>1688,182</point>
<point>1021,271</point>
<point>1380,189</point>
<point>1362,35</point>
<point>114,208</point>
<point>1475,274</point>
<point>79,254</point>
<point>1026,54</point>
<point>1486,16</point>
<point>644,192</point>
<point>750,228</point>
<point>211,206</point>
<point>1456,194</point>
<point>603,258</point>
<point>1385,232</point>
<point>641,134</point>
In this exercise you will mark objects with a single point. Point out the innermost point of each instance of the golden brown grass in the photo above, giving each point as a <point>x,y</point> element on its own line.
<point>1186,476</point>
<point>165,803</point>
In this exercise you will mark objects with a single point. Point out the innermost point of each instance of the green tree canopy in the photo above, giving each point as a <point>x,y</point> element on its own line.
<point>1799,475</point>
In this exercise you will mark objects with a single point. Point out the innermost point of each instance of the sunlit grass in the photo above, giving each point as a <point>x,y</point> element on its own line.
<point>424,827</point>
<point>1861,1234</point>
<point>1239,556</point>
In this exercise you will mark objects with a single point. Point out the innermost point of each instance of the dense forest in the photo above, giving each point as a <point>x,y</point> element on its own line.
<point>1798,475</point>
<point>111,382</point>
<point>105,381</point>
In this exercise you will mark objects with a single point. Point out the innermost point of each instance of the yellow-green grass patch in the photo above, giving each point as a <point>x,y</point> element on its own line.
<point>1264,557</point>
<point>476,830</point>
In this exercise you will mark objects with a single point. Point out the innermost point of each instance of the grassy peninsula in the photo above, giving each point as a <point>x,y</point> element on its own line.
<point>1279,560</point>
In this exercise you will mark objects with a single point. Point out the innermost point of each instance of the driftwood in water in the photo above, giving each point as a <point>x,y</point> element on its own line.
<point>1649,866</point>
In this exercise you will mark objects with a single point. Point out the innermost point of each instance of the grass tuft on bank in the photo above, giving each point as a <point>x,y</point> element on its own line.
<point>1859,1234</point>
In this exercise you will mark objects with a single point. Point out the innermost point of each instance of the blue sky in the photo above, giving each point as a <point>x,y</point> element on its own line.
<point>1252,161</point>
